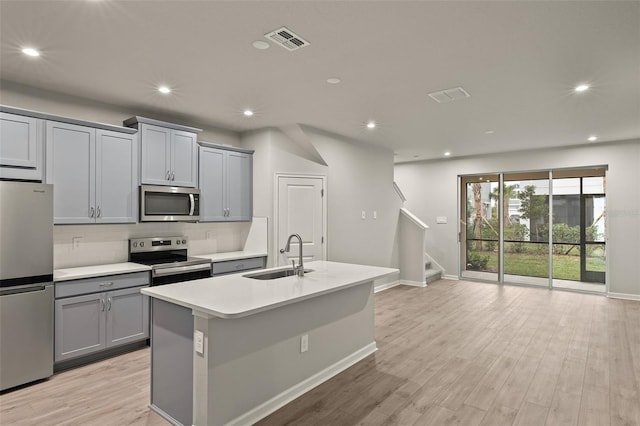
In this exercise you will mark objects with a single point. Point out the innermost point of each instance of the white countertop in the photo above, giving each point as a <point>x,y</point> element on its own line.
<point>234,296</point>
<point>232,255</point>
<point>98,271</point>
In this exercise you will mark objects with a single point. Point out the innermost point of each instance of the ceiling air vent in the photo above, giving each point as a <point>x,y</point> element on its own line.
<point>449,95</point>
<point>287,39</point>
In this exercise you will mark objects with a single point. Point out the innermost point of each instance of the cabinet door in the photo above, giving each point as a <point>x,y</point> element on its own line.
<point>127,316</point>
<point>21,146</point>
<point>156,155</point>
<point>212,182</point>
<point>70,168</point>
<point>116,177</point>
<point>79,326</point>
<point>239,186</point>
<point>183,158</point>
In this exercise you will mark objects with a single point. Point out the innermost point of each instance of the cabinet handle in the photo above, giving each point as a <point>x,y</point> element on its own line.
<point>168,174</point>
<point>102,305</point>
<point>109,304</point>
<point>108,284</point>
<point>173,175</point>
<point>92,212</point>
<point>98,211</point>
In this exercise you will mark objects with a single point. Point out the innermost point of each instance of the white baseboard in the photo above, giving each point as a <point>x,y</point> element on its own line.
<point>386,286</point>
<point>164,415</point>
<point>451,277</point>
<point>268,407</point>
<point>623,296</point>
<point>413,283</point>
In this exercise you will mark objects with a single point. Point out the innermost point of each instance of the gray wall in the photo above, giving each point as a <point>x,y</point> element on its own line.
<point>431,189</point>
<point>360,177</point>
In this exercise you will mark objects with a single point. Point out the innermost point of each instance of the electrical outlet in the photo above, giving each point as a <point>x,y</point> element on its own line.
<point>198,341</point>
<point>75,242</point>
<point>364,215</point>
<point>208,235</point>
<point>375,214</point>
<point>304,343</point>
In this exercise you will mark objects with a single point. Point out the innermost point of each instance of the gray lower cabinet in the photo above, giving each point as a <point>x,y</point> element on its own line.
<point>21,147</point>
<point>89,323</point>
<point>94,173</point>
<point>226,184</point>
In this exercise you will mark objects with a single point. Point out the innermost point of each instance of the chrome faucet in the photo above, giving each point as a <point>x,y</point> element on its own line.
<point>299,270</point>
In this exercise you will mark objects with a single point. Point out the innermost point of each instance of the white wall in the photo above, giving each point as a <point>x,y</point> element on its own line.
<point>360,177</point>
<point>431,189</point>
<point>101,244</point>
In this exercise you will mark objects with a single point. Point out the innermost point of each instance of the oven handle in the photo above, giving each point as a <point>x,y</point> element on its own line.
<point>179,269</point>
<point>193,204</point>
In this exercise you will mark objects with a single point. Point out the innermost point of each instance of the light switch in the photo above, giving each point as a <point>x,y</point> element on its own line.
<point>441,219</point>
<point>364,215</point>
<point>198,342</point>
<point>375,214</point>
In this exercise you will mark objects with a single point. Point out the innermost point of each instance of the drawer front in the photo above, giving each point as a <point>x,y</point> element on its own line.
<point>231,266</point>
<point>98,284</point>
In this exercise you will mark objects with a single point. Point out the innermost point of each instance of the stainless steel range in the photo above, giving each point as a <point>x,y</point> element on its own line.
<point>168,259</point>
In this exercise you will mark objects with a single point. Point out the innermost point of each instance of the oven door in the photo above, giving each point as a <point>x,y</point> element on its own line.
<point>176,274</point>
<point>169,204</point>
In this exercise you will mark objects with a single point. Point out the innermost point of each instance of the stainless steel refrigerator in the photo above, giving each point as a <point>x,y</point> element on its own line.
<point>26,282</point>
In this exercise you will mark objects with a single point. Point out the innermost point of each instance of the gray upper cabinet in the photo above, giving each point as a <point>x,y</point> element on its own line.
<point>94,173</point>
<point>168,152</point>
<point>226,184</point>
<point>21,147</point>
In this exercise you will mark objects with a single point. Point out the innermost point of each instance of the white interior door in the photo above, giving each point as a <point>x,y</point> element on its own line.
<point>301,211</point>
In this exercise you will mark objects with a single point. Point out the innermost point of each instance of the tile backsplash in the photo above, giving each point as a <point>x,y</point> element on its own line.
<point>83,245</point>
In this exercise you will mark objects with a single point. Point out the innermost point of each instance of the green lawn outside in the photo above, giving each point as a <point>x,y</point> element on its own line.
<point>566,267</point>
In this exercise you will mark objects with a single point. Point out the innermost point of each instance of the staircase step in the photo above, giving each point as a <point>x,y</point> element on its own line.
<point>432,275</point>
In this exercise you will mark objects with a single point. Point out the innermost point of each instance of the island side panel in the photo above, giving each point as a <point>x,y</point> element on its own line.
<point>172,362</point>
<point>256,360</point>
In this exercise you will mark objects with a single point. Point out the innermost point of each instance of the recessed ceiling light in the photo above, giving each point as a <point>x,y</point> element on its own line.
<point>333,80</point>
<point>30,51</point>
<point>581,88</point>
<point>489,132</point>
<point>371,125</point>
<point>481,178</point>
<point>261,45</point>
<point>592,138</point>
<point>248,113</point>
<point>446,154</point>
<point>164,90</point>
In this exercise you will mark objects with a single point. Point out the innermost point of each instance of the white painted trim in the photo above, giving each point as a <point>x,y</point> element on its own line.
<point>325,211</point>
<point>451,277</point>
<point>625,296</point>
<point>399,192</point>
<point>413,218</point>
<point>164,415</point>
<point>413,283</point>
<point>386,286</point>
<point>268,407</point>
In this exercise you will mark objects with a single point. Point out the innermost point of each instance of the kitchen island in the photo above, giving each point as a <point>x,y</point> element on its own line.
<point>230,350</point>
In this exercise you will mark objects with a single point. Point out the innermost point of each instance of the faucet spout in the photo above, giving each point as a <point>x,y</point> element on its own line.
<point>300,268</point>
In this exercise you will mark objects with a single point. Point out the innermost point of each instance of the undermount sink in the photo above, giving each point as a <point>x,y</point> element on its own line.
<point>272,275</point>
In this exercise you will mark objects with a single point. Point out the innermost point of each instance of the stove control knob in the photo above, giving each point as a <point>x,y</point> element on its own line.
<point>178,242</point>
<point>142,244</point>
<point>184,241</point>
<point>135,244</point>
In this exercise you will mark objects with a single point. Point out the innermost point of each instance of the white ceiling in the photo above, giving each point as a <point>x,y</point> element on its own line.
<point>519,60</point>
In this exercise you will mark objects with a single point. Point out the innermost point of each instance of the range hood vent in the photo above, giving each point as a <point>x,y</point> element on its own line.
<point>449,95</point>
<point>286,38</point>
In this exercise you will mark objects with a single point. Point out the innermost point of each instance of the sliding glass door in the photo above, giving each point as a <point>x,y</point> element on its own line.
<point>538,228</point>
<point>480,227</point>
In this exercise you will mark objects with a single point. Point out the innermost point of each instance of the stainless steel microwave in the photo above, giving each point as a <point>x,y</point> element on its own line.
<point>169,204</point>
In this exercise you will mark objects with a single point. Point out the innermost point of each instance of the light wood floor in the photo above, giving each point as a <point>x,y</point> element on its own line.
<point>455,353</point>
